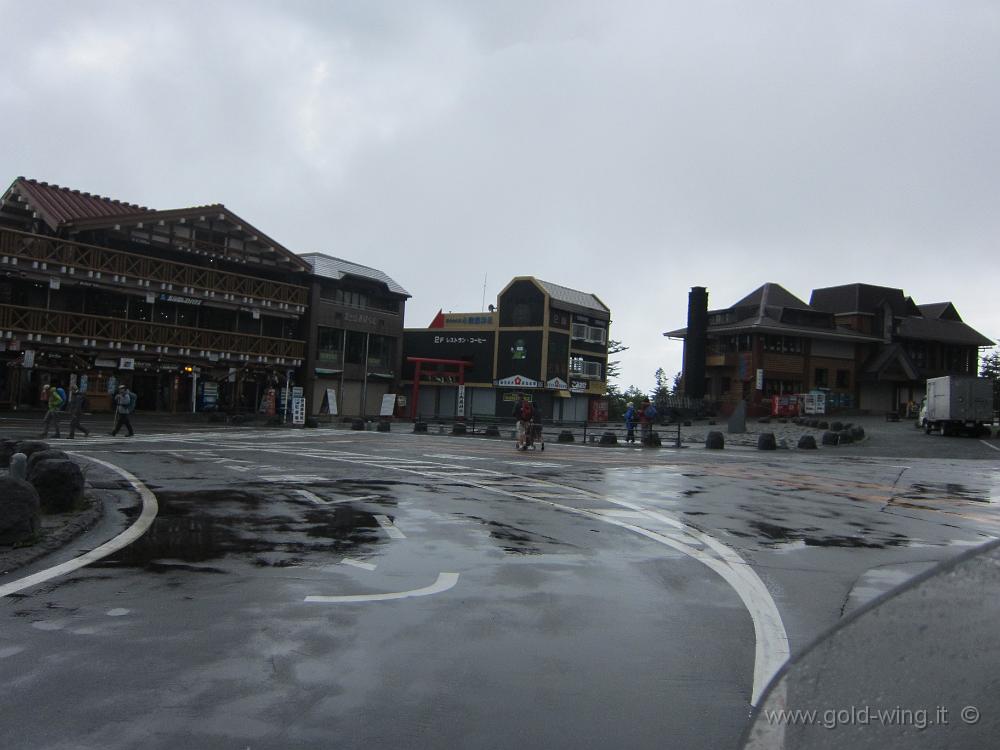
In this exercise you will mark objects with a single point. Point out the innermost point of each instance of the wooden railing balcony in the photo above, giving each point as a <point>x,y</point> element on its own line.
<point>118,268</point>
<point>132,336</point>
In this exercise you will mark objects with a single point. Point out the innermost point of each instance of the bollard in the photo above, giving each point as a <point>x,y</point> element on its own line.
<point>715,440</point>
<point>19,466</point>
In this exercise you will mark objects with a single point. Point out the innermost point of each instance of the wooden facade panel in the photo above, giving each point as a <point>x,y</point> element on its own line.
<point>88,259</point>
<point>783,364</point>
<point>22,320</point>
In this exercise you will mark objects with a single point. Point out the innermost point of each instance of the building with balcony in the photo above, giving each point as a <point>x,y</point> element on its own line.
<point>191,306</point>
<point>355,331</point>
<point>541,339</point>
<point>864,347</point>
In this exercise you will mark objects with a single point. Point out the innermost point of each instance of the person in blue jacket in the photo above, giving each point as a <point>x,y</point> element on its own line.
<point>630,423</point>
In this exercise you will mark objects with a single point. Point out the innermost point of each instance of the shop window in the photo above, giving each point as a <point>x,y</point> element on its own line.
<point>329,344</point>
<point>354,353</point>
<point>843,378</point>
<point>820,377</point>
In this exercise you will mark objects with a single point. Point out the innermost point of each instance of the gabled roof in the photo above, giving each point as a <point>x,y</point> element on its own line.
<point>335,268</point>
<point>573,297</point>
<point>57,205</point>
<point>71,211</point>
<point>940,310</point>
<point>771,295</point>
<point>888,359</point>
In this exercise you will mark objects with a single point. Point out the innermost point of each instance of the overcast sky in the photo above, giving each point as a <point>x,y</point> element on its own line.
<point>632,150</point>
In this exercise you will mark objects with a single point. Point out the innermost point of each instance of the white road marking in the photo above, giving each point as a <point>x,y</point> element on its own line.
<point>291,479</point>
<point>133,532</point>
<point>444,582</point>
<point>358,564</point>
<point>239,468</point>
<point>771,640</point>
<point>989,445</point>
<point>389,527</point>
<point>117,612</point>
<point>311,496</point>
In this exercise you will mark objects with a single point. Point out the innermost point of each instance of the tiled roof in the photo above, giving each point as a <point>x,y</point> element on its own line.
<point>573,297</point>
<point>58,205</point>
<point>336,268</point>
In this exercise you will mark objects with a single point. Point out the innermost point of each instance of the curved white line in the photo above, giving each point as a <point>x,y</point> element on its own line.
<point>133,532</point>
<point>444,582</point>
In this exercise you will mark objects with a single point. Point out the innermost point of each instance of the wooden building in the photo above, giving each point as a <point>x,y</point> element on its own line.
<point>864,347</point>
<point>188,307</point>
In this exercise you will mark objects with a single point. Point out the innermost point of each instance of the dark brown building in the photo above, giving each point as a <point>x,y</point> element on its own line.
<point>186,306</point>
<point>862,346</point>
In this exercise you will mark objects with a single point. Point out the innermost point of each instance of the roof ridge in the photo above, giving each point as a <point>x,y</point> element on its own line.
<point>75,191</point>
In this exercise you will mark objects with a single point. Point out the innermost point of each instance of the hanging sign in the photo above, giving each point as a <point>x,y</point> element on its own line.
<point>519,381</point>
<point>460,407</point>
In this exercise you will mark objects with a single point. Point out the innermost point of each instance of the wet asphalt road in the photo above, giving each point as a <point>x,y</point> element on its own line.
<point>575,597</point>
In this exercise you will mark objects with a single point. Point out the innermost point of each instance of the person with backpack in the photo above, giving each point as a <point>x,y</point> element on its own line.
<point>124,404</point>
<point>50,394</point>
<point>77,403</point>
<point>523,412</point>
<point>646,418</point>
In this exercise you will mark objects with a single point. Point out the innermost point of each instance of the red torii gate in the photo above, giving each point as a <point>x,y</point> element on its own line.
<point>419,362</point>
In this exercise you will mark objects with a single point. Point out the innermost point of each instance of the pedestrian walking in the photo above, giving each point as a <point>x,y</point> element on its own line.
<point>77,403</point>
<point>124,404</point>
<point>646,419</point>
<point>53,401</point>
<point>630,423</point>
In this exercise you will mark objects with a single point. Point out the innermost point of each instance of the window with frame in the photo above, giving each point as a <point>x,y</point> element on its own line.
<point>329,344</point>
<point>820,375</point>
<point>590,334</point>
<point>581,367</point>
<point>843,378</point>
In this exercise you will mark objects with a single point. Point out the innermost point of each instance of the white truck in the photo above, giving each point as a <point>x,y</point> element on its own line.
<point>957,404</point>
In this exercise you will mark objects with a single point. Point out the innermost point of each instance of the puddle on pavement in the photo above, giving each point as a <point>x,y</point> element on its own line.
<point>940,491</point>
<point>516,541</point>
<point>781,536</point>
<point>192,528</point>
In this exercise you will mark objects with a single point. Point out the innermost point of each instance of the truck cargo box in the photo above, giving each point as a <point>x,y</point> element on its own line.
<point>959,398</point>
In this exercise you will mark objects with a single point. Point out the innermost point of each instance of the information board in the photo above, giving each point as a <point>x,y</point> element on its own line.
<point>329,402</point>
<point>298,410</point>
<point>388,405</point>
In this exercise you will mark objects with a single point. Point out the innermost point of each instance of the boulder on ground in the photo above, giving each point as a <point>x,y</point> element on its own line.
<point>767,442</point>
<point>857,432</point>
<point>807,443</point>
<point>384,426</point>
<point>836,426</point>
<point>59,484</point>
<point>19,511</point>
<point>566,436</point>
<point>831,438</point>
<point>715,440</point>
<point>27,447</point>
<point>51,453</point>
<point>609,438</point>
<point>420,427</point>
<point>845,436</point>
<point>8,448</point>
<point>357,424</point>
<point>459,428</point>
